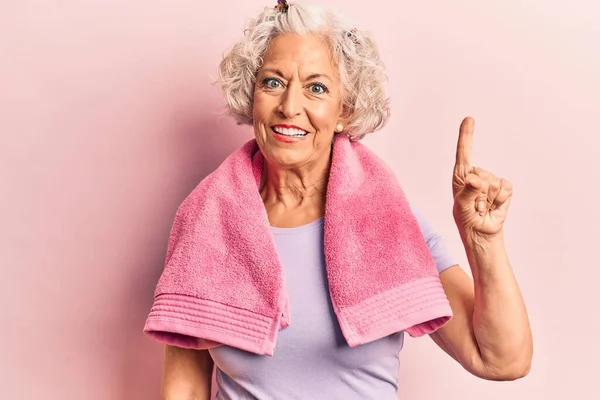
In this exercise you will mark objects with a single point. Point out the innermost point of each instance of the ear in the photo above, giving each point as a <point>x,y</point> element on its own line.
<point>345,114</point>
<point>342,121</point>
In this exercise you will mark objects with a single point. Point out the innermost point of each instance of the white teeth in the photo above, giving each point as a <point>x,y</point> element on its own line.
<point>289,131</point>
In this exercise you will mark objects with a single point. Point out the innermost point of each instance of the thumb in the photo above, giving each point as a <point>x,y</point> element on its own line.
<point>474,192</point>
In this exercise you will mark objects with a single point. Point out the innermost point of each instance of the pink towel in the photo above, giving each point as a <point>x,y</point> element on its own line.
<point>223,283</point>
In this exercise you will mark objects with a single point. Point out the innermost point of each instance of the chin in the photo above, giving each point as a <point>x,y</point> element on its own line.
<point>287,157</point>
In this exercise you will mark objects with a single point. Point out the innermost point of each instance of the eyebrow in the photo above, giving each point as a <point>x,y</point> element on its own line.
<point>308,78</point>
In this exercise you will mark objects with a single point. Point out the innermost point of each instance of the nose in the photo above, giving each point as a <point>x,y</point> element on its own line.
<point>291,101</point>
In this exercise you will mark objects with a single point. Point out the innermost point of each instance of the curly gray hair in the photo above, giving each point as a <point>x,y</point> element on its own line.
<point>366,107</point>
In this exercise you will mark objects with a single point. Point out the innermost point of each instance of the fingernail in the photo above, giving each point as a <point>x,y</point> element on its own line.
<point>481,205</point>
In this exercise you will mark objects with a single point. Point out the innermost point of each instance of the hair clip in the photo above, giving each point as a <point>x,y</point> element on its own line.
<point>282,6</point>
<point>352,35</point>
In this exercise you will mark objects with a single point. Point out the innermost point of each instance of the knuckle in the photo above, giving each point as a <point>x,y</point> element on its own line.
<point>482,173</point>
<point>507,186</point>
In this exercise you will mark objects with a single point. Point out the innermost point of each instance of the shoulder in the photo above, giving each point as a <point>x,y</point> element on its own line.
<point>442,256</point>
<point>427,229</point>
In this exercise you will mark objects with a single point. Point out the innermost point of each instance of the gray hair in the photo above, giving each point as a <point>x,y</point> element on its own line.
<point>361,70</point>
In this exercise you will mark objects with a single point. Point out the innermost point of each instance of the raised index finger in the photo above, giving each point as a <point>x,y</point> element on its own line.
<point>464,148</point>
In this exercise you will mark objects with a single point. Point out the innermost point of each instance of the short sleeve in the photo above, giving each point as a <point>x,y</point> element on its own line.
<point>442,257</point>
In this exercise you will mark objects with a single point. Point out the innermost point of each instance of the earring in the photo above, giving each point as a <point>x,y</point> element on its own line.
<point>339,128</point>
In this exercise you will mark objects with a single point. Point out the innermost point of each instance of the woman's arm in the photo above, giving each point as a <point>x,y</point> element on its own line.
<point>187,374</point>
<point>489,334</point>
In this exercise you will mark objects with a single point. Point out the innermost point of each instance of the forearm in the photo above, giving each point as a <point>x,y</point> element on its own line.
<point>187,374</point>
<point>500,320</point>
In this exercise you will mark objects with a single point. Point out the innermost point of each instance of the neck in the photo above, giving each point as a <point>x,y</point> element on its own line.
<point>295,187</point>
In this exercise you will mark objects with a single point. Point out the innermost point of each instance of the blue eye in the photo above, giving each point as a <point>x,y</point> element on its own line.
<point>318,88</point>
<point>271,83</point>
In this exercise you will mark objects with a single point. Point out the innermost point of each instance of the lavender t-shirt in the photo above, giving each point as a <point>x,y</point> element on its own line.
<point>312,359</point>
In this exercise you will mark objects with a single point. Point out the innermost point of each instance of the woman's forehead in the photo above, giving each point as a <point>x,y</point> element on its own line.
<point>308,53</point>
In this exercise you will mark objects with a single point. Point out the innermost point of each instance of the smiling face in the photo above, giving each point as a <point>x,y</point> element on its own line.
<point>297,101</point>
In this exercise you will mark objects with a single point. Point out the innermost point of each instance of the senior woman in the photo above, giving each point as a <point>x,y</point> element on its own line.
<point>298,265</point>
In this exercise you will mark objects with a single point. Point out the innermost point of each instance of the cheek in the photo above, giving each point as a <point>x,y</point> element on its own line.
<point>256,105</point>
<point>325,115</point>
<point>260,115</point>
<point>262,106</point>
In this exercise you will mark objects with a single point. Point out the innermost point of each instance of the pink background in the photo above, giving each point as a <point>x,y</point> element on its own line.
<point>108,119</point>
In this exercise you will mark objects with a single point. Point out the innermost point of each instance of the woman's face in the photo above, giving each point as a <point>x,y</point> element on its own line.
<point>297,101</point>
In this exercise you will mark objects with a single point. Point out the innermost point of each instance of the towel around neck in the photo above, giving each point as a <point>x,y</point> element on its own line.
<point>223,282</point>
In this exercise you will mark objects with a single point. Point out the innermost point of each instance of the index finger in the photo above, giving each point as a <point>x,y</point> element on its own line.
<point>464,148</point>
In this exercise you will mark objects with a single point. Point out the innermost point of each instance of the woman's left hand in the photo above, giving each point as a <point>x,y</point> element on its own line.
<point>481,199</point>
